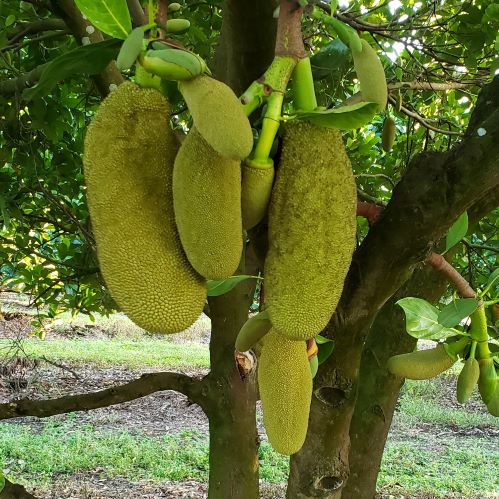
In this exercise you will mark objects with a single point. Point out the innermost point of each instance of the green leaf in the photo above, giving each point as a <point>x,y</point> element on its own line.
<point>457,231</point>
<point>343,117</point>
<point>325,350</point>
<point>421,320</point>
<point>110,16</point>
<point>87,59</point>
<point>220,287</point>
<point>334,59</point>
<point>320,340</point>
<point>453,313</point>
<point>493,277</point>
<point>130,49</point>
<point>11,19</point>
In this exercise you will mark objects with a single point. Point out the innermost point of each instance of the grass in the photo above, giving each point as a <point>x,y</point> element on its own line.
<point>465,465</point>
<point>117,351</point>
<point>61,449</point>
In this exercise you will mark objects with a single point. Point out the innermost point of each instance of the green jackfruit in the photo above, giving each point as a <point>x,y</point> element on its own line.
<point>312,228</point>
<point>255,191</point>
<point>388,135</point>
<point>371,75</point>
<point>218,115</point>
<point>253,330</point>
<point>467,380</point>
<point>493,405</point>
<point>423,364</point>
<point>207,201</point>
<point>128,171</point>
<point>487,382</point>
<point>285,383</point>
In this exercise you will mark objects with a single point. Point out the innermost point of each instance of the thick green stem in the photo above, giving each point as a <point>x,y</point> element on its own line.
<point>303,86</point>
<point>270,127</point>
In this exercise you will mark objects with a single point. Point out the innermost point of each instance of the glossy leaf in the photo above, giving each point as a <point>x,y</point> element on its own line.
<point>453,313</point>
<point>87,59</point>
<point>421,320</point>
<point>222,286</point>
<point>332,59</point>
<point>324,350</point>
<point>110,16</point>
<point>457,231</point>
<point>343,117</point>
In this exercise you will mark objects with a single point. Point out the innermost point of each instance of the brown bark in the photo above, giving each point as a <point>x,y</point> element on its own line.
<point>247,42</point>
<point>378,389</point>
<point>15,491</point>
<point>434,191</point>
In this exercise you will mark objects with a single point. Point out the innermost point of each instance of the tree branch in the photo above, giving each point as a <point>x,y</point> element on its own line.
<point>439,263</point>
<point>136,12</point>
<point>145,385</point>
<point>369,211</point>
<point>289,36</point>
<point>15,491</point>
<point>25,29</point>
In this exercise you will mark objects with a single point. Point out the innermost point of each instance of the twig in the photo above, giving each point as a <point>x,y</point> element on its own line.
<point>375,175</point>
<point>438,262</point>
<point>60,366</point>
<point>145,385</point>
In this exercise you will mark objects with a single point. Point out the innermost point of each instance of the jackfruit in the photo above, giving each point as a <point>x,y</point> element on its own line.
<point>285,383</point>
<point>253,330</point>
<point>487,382</point>
<point>422,364</point>
<point>388,134</point>
<point>207,201</point>
<point>312,229</point>
<point>371,75</point>
<point>493,405</point>
<point>258,178</point>
<point>218,116</point>
<point>128,172</point>
<point>467,380</point>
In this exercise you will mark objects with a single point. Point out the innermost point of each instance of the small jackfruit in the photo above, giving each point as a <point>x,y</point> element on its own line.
<point>493,405</point>
<point>487,382</point>
<point>218,116</point>
<point>255,191</point>
<point>207,201</point>
<point>285,383</point>
<point>388,134</point>
<point>371,75</point>
<point>253,330</point>
<point>128,171</point>
<point>422,364</point>
<point>467,380</point>
<point>312,229</point>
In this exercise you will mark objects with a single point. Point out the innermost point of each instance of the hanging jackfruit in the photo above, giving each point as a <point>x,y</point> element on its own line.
<point>467,380</point>
<point>218,116</point>
<point>312,228</point>
<point>207,201</point>
<point>422,364</point>
<point>388,134</point>
<point>371,75</point>
<point>493,405</point>
<point>285,384</point>
<point>256,188</point>
<point>487,382</point>
<point>128,161</point>
<point>253,330</point>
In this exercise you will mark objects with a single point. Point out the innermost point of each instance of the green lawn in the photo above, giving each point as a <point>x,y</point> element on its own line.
<point>133,353</point>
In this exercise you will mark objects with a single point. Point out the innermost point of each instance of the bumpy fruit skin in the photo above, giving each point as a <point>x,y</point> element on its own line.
<point>285,383</point>
<point>388,135</point>
<point>467,380</point>
<point>218,116</point>
<point>128,161</point>
<point>371,75</point>
<point>487,382</point>
<point>493,405</point>
<point>207,201</point>
<point>255,192</point>
<point>423,364</point>
<point>253,330</point>
<point>312,227</point>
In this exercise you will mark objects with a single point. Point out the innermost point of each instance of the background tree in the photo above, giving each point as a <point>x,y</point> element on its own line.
<point>437,58</point>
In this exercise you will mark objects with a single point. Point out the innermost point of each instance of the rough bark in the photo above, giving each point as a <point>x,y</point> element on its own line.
<point>378,390</point>
<point>231,405</point>
<point>435,190</point>
<point>247,42</point>
<point>15,491</point>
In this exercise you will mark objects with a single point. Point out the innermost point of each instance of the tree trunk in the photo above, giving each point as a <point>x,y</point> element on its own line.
<point>378,390</point>
<point>231,401</point>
